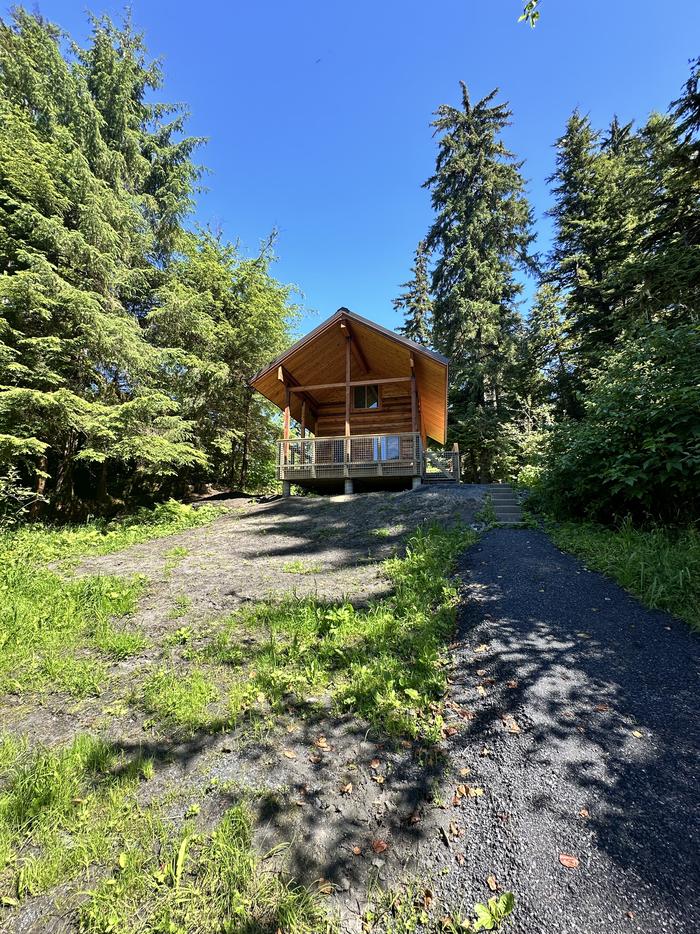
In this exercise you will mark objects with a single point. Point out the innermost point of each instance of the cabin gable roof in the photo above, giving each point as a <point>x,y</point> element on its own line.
<point>319,358</point>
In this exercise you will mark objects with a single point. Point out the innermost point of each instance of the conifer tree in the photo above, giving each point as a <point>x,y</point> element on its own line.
<point>415,302</point>
<point>480,236</point>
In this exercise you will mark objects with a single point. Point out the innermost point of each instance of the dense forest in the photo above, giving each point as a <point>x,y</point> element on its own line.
<point>591,395</point>
<point>127,336</point>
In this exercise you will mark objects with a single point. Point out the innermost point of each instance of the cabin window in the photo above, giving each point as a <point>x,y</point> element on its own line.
<point>366,397</point>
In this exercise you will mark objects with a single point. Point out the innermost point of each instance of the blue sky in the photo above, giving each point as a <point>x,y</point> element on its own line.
<point>318,113</point>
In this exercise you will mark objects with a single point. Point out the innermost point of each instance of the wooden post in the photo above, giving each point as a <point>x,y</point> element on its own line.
<point>414,408</point>
<point>303,418</point>
<point>347,397</point>
<point>285,431</point>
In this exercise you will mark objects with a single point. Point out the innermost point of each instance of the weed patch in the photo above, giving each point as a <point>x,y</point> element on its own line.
<point>660,566</point>
<point>48,623</point>
<point>59,811</point>
<point>178,699</point>
<point>201,883</point>
<point>384,662</point>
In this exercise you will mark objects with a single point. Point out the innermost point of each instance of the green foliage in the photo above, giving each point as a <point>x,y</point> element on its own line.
<point>200,883</point>
<point>415,303</point>
<point>636,451</point>
<point>60,811</point>
<point>64,812</point>
<point>48,621</point>
<point>126,342</point>
<point>660,566</point>
<point>491,915</point>
<point>384,662</point>
<point>480,236</point>
<point>177,700</point>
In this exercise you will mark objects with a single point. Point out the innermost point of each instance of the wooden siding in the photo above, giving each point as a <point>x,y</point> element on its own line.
<point>320,358</point>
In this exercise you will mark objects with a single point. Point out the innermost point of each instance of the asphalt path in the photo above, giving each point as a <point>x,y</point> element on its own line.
<point>585,738</point>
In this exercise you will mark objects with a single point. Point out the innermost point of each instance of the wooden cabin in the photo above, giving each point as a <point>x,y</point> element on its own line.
<point>366,403</point>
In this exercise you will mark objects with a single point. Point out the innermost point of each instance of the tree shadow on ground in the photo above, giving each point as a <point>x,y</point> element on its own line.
<point>603,692</point>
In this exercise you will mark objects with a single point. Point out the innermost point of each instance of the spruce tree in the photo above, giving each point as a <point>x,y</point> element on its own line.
<point>480,236</point>
<point>415,302</point>
<point>76,372</point>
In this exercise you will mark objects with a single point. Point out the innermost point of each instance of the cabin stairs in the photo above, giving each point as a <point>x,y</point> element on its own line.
<point>505,503</point>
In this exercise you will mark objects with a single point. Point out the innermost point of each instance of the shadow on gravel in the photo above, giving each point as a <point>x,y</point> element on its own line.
<point>605,694</point>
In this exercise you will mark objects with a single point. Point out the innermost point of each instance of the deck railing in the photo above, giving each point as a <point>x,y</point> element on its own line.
<point>390,455</point>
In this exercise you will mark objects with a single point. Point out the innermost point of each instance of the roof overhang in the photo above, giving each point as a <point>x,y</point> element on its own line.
<point>318,359</point>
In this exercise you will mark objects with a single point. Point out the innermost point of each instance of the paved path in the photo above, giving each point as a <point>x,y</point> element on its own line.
<point>605,768</point>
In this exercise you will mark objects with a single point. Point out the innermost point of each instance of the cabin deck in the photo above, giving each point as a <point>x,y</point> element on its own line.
<point>308,460</point>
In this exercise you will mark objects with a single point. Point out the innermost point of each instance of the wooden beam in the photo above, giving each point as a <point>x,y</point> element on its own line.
<point>303,418</point>
<point>355,382</point>
<point>355,348</point>
<point>290,382</point>
<point>286,413</point>
<point>348,342</point>
<point>414,406</point>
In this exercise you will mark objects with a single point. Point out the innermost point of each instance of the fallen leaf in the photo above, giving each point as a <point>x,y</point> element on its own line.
<point>584,812</point>
<point>512,684</point>
<point>427,898</point>
<point>486,751</point>
<point>325,887</point>
<point>571,862</point>
<point>637,734</point>
<point>455,830</point>
<point>481,672</point>
<point>357,850</point>
<point>510,724</point>
<point>414,818</point>
<point>315,758</point>
<point>482,690</point>
<point>460,858</point>
<point>346,789</point>
<point>374,764</point>
<point>380,846</point>
<point>461,791</point>
<point>602,707</point>
<point>465,771</point>
<point>475,792</point>
<point>322,743</point>
<point>492,884</point>
<point>289,753</point>
<point>481,648</point>
<point>379,779</point>
<point>449,730</point>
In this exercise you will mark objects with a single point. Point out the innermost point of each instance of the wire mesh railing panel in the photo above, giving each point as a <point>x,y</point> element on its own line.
<point>357,455</point>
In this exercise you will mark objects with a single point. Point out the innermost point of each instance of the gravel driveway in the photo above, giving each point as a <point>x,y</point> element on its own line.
<point>585,739</point>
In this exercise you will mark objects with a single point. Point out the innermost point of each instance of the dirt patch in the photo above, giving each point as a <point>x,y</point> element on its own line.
<point>352,807</point>
<point>328,546</point>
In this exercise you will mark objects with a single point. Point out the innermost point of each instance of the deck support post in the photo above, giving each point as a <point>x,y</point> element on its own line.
<point>349,486</point>
<point>416,483</point>
<point>348,341</point>
<point>414,405</point>
<point>286,488</point>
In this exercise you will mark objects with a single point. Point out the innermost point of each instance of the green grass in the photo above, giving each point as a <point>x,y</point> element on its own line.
<point>179,699</point>
<point>101,537</point>
<point>57,633</point>
<point>182,604</point>
<point>199,883</point>
<point>301,567</point>
<point>660,566</point>
<point>60,810</point>
<point>384,662</point>
<point>63,813</point>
